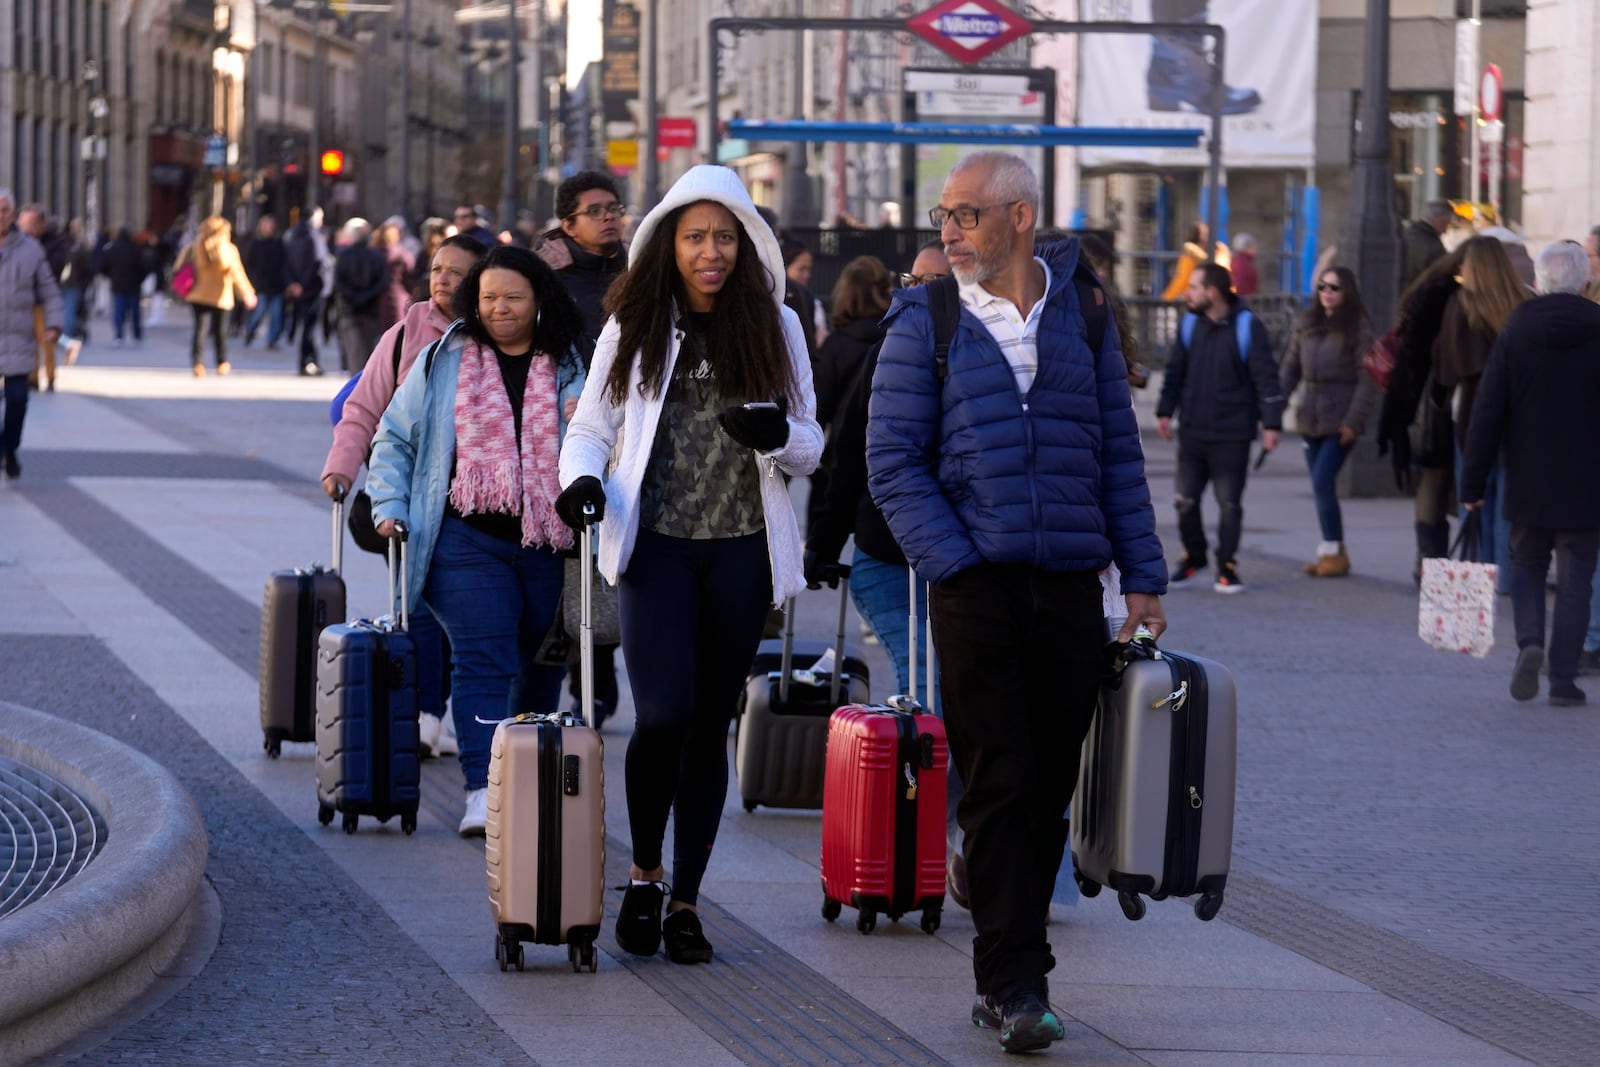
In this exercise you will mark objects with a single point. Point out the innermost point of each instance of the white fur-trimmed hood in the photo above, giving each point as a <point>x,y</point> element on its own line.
<point>720,185</point>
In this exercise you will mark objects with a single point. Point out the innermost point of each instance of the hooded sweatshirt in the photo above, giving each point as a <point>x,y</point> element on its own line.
<point>598,423</point>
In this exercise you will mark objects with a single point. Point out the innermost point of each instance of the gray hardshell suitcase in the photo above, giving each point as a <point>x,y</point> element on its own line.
<point>1152,815</point>
<point>782,746</point>
<point>295,608</point>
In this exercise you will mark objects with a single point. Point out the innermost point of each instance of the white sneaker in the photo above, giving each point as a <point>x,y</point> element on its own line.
<point>476,820</point>
<point>428,729</point>
<point>447,745</point>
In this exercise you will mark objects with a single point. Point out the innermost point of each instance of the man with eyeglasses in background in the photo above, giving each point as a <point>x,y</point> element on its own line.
<point>587,253</point>
<point>1010,473</point>
<point>469,220</point>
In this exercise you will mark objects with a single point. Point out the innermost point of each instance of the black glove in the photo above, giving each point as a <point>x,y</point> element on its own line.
<point>570,504</point>
<point>819,569</point>
<point>765,429</point>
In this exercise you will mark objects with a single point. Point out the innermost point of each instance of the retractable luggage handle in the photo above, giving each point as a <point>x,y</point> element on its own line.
<point>397,547</point>
<point>586,616</point>
<point>338,533</point>
<point>909,701</point>
<point>835,683</point>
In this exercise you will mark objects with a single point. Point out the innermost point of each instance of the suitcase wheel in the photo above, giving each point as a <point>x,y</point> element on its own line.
<point>324,814</point>
<point>1132,904</point>
<point>831,908</point>
<point>583,955</point>
<point>930,920</point>
<point>749,805</point>
<point>408,823</point>
<point>273,746</point>
<point>507,953</point>
<point>351,820</point>
<point>866,920</point>
<point>1088,887</point>
<point>1206,908</point>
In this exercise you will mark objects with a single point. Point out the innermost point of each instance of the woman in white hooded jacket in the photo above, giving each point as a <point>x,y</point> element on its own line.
<point>702,375</point>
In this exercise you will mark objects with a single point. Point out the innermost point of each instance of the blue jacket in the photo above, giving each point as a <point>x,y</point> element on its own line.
<point>968,471</point>
<point>414,450</point>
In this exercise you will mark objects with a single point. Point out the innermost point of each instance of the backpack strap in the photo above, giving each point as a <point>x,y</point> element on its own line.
<point>1241,331</point>
<point>944,303</point>
<point>1186,328</point>
<point>399,342</point>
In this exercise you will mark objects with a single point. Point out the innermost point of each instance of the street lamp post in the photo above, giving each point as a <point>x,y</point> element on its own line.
<point>430,43</point>
<point>508,182</point>
<point>405,110</point>
<point>314,171</point>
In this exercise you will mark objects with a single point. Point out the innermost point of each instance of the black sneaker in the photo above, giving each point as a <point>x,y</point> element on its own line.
<point>639,920</point>
<point>13,468</point>
<point>1567,696</point>
<point>1525,679</point>
<point>1184,571</point>
<point>1024,1020</point>
<point>685,940</point>
<point>1589,661</point>
<point>1228,580</point>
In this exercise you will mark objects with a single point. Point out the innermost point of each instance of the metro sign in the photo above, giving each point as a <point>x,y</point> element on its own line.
<point>968,30</point>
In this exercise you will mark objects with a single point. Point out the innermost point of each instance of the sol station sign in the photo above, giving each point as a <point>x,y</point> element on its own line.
<point>968,30</point>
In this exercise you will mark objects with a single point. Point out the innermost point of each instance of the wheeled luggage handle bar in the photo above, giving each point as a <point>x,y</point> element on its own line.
<point>397,547</point>
<point>913,617</point>
<point>586,616</point>
<point>338,533</point>
<point>786,666</point>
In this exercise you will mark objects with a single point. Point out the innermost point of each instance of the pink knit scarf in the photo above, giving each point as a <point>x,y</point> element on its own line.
<point>492,474</point>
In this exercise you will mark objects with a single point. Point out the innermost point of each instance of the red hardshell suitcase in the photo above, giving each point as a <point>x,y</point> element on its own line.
<point>295,608</point>
<point>883,809</point>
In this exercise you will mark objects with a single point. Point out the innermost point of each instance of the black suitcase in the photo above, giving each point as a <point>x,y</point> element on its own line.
<point>369,759</point>
<point>1153,812</point>
<point>295,607</point>
<point>781,749</point>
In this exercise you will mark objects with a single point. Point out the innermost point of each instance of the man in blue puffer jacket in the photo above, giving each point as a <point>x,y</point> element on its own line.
<point>1011,476</point>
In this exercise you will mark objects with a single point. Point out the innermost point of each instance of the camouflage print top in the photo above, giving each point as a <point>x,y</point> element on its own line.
<point>699,483</point>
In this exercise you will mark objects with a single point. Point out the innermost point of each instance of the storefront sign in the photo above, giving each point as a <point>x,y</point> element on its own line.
<point>619,84</point>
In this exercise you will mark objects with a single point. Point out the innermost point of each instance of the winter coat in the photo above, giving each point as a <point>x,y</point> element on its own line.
<point>1538,399</point>
<point>838,361</point>
<point>1460,355</point>
<point>968,471</point>
<point>1246,278</point>
<point>360,278</point>
<point>304,258</point>
<point>1218,394</point>
<point>847,508</point>
<point>423,324</point>
<point>1421,246</point>
<point>266,263</point>
<point>585,274</point>
<point>219,277</point>
<point>599,423</point>
<point>414,450</point>
<point>126,264</point>
<point>25,280</point>
<point>1334,389</point>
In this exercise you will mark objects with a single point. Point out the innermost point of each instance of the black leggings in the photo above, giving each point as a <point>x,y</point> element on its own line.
<point>692,615</point>
<point>208,317</point>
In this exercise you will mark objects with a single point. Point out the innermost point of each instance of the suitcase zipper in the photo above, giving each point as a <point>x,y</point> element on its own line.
<point>903,891</point>
<point>303,713</point>
<point>380,666</point>
<point>547,910</point>
<point>1186,798</point>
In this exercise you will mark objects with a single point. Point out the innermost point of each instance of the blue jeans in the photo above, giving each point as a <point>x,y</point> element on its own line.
<point>71,305</point>
<point>123,307</point>
<point>16,404</point>
<point>1591,640</point>
<point>882,592</point>
<point>267,304</point>
<point>1324,457</point>
<point>432,692</point>
<point>495,601</point>
<point>1494,543</point>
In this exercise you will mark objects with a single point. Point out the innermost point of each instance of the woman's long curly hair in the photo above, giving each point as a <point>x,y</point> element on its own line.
<point>559,325</point>
<point>1347,319</point>
<point>1490,288</point>
<point>745,344</point>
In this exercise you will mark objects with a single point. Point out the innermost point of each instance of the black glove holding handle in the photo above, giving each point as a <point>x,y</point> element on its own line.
<point>570,504</point>
<point>763,427</point>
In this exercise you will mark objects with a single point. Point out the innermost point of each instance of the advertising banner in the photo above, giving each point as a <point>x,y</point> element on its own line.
<point>1163,80</point>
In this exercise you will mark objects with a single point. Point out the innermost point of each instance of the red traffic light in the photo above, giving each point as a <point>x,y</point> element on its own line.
<point>333,162</point>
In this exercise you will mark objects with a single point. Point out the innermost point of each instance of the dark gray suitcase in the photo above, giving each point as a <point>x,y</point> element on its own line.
<point>295,607</point>
<point>1152,815</point>
<point>782,745</point>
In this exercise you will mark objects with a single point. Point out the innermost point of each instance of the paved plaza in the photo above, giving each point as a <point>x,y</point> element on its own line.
<point>1415,864</point>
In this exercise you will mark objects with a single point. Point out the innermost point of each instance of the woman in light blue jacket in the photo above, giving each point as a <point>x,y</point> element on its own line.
<point>467,455</point>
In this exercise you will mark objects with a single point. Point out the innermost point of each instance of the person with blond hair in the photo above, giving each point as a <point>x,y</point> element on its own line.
<point>219,282</point>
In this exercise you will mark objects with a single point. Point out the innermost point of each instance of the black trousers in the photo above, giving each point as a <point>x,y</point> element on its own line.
<point>306,308</point>
<point>1019,665</point>
<point>1575,552</point>
<point>209,318</point>
<point>1225,465</point>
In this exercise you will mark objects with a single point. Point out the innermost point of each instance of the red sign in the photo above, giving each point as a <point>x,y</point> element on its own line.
<point>1490,94</point>
<point>677,133</point>
<point>968,30</point>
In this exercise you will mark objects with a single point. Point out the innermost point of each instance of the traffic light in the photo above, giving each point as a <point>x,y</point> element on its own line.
<point>332,163</point>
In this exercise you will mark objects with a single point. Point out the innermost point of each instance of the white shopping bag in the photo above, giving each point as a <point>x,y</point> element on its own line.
<point>1456,613</point>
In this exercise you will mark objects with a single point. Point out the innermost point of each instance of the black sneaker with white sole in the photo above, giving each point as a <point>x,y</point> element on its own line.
<point>1025,1021</point>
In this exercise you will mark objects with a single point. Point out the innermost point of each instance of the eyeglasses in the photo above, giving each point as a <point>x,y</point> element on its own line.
<point>601,211</point>
<point>1329,287</point>
<point>907,281</point>
<point>966,217</point>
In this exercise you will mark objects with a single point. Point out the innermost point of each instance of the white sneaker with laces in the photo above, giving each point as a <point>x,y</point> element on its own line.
<point>447,745</point>
<point>428,729</point>
<point>476,820</point>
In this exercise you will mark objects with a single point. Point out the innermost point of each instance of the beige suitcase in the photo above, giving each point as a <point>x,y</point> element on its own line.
<point>546,833</point>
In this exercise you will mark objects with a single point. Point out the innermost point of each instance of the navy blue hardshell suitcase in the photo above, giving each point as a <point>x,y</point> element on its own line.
<point>368,756</point>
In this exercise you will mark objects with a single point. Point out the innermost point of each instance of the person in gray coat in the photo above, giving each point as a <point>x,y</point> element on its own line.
<point>26,280</point>
<point>1335,398</point>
